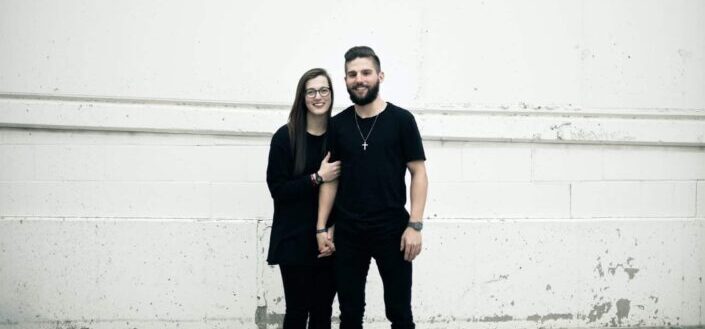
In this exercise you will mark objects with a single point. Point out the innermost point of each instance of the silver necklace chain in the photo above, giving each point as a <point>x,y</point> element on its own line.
<point>364,138</point>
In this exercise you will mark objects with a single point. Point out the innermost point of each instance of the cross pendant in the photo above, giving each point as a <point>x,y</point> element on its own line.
<point>364,146</point>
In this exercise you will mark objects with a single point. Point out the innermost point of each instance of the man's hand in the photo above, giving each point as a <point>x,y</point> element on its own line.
<point>410,244</point>
<point>325,242</point>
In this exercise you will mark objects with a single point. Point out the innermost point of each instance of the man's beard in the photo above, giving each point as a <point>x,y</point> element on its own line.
<point>372,92</point>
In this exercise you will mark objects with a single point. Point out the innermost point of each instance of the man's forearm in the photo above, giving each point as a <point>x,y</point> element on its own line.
<point>326,197</point>
<point>419,189</point>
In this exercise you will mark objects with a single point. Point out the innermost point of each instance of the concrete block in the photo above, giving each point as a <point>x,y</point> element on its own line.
<point>118,271</point>
<point>498,200</point>
<point>497,162</point>
<point>152,163</point>
<point>608,162</point>
<point>701,279</point>
<point>17,162</point>
<point>567,162</point>
<point>246,163</point>
<point>654,163</point>
<point>72,162</point>
<point>633,199</point>
<point>241,201</point>
<point>105,199</point>
<point>158,163</point>
<point>444,161</point>
<point>270,290</point>
<point>700,191</point>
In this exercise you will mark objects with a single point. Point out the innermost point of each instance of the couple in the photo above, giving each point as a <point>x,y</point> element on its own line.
<point>359,160</point>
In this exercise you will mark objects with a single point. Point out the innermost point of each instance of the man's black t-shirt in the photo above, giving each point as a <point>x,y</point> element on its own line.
<point>371,184</point>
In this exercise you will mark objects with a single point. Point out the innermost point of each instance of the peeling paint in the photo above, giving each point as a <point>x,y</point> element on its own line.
<point>599,268</point>
<point>264,319</point>
<point>497,318</point>
<point>557,316</point>
<point>598,310</point>
<point>631,272</point>
<point>622,309</point>
<point>67,325</point>
<point>550,316</point>
<point>501,277</point>
<point>261,317</point>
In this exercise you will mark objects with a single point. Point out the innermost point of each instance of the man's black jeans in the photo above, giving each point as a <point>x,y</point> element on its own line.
<point>356,243</point>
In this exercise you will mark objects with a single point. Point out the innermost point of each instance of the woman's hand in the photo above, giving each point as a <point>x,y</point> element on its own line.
<point>325,243</point>
<point>329,171</point>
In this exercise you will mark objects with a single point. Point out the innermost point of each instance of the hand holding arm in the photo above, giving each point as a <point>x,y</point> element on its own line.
<point>329,171</point>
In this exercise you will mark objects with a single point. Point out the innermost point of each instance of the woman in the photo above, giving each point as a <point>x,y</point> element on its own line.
<point>296,169</point>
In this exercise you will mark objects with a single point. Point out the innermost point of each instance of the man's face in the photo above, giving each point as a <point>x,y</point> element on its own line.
<point>362,80</point>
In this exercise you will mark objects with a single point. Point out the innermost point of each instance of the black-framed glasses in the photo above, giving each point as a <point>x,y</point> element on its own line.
<point>311,93</point>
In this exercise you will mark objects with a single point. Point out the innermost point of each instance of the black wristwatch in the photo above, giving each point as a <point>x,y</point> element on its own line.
<point>319,179</point>
<point>418,226</point>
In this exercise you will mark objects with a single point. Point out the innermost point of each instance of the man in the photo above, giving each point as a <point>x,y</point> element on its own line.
<point>376,142</point>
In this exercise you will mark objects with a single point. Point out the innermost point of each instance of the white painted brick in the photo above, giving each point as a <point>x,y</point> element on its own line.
<point>158,163</point>
<point>633,199</point>
<point>187,163</point>
<point>652,163</point>
<point>567,162</point>
<point>586,162</point>
<point>499,162</point>
<point>700,191</point>
<point>241,201</point>
<point>444,161</point>
<point>16,162</point>
<point>125,269</point>
<point>700,249</point>
<point>106,199</point>
<point>238,163</point>
<point>498,200</point>
<point>64,162</point>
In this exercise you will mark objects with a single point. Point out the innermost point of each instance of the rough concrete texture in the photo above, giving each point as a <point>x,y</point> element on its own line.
<point>478,274</point>
<point>585,53</point>
<point>561,274</point>
<point>499,252</point>
<point>125,272</point>
<point>565,152</point>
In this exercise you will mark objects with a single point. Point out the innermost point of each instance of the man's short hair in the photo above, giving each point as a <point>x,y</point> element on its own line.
<point>362,52</point>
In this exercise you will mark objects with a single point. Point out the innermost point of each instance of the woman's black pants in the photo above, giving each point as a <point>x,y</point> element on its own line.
<point>309,291</point>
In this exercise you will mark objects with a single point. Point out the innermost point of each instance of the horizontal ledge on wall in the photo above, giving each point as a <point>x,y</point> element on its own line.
<point>428,221</point>
<point>462,122</point>
<point>127,219</point>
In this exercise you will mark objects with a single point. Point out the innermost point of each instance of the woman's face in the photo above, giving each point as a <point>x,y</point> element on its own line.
<point>318,95</point>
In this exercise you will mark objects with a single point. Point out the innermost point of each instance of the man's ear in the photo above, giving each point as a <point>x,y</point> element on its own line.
<point>381,76</point>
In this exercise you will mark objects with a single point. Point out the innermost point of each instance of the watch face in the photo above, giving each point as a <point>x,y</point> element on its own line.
<point>319,179</point>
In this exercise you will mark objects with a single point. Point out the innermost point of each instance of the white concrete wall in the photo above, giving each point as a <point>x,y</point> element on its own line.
<point>565,144</point>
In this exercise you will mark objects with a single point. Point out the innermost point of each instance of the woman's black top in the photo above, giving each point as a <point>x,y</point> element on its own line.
<point>293,236</point>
